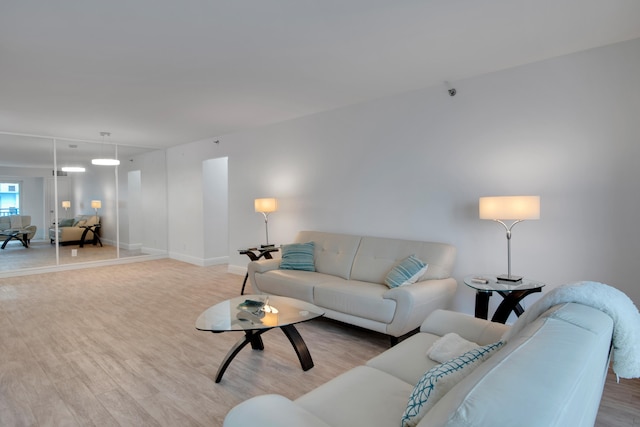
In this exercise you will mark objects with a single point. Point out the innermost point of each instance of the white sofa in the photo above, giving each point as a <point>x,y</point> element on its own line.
<point>551,374</point>
<point>349,280</point>
<point>18,222</point>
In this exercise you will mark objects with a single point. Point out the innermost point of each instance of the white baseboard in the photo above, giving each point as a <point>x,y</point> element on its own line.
<point>216,261</point>
<point>199,261</point>
<point>237,269</point>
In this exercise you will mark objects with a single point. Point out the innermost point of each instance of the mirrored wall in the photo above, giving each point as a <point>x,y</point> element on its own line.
<point>77,212</point>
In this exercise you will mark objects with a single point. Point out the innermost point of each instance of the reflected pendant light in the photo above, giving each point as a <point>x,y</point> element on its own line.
<point>105,161</point>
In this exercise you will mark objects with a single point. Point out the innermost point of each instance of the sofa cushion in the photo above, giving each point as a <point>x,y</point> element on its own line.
<point>66,222</point>
<point>362,396</point>
<point>356,298</point>
<point>406,272</point>
<point>16,221</point>
<point>377,255</point>
<point>411,352</point>
<point>334,253</point>
<point>296,284</point>
<point>437,382</point>
<point>297,256</point>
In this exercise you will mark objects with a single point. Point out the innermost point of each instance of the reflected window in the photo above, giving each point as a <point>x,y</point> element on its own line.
<point>9,198</point>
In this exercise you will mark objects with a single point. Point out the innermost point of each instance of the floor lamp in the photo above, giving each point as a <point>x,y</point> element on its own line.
<point>265,207</point>
<point>509,208</point>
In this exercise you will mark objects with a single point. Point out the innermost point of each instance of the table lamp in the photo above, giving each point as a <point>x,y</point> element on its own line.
<point>96,204</point>
<point>509,208</point>
<point>66,204</point>
<point>265,207</point>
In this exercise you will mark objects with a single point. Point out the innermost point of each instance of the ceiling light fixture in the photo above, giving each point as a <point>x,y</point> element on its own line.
<point>105,161</point>
<point>73,169</point>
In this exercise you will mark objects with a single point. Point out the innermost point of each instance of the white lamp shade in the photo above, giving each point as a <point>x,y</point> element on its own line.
<point>266,205</point>
<point>66,204</point>
<point>510,207</point>
<point>96,204</point>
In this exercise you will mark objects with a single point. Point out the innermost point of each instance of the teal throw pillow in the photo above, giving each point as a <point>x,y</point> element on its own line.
<point>437,382</point>
<point>406,272</point>
<point>298,256</point>
<point>66,222</point>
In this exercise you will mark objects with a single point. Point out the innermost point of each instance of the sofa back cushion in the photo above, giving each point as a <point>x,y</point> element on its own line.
<point>376,256</point>
<point>560,362</point>
<point>333,252</point>
<point>20,221</point>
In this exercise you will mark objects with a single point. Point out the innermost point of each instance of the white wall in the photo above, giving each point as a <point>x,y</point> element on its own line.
<point>413,166</point>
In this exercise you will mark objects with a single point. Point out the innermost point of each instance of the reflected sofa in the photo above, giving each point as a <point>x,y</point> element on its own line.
<point>70,230</point>
<point>18,222</point>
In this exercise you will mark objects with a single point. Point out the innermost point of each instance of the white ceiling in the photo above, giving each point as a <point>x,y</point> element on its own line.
<point>164,72</point>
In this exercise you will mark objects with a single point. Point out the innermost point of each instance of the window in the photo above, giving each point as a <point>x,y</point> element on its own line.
<point>9,198</point>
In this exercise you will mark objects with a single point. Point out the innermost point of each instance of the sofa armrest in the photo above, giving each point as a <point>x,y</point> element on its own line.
<point>262,266</point>
<point>32,231</point>
<point>259,267</point>
<point>271,410</point>
<point>481,331</point>
<point>415,302</point>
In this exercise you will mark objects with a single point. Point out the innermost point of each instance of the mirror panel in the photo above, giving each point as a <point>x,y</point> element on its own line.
<point>27,162</point>
<point>132,200</point>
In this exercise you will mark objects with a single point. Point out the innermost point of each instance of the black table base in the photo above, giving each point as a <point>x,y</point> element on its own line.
<point>254,338</point>
<point>510,303</point>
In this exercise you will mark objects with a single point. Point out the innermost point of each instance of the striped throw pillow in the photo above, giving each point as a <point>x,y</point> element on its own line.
<point>437,382</point>
<point>406,272</point>
<point>298,256</point>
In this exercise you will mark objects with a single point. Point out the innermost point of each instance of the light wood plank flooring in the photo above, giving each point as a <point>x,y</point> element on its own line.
<point>117,346</point>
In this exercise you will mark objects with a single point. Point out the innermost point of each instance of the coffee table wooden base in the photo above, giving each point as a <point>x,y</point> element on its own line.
<point>254,338</point>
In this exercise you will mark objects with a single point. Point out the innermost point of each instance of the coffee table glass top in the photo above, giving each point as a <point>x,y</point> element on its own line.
<point>493,284</point>
<point>253,312</point>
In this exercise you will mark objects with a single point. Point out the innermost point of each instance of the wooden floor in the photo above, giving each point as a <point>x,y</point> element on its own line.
<point>117,346</point>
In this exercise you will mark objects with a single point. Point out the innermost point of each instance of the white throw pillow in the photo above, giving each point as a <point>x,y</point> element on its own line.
<point>449,346</point>
<point>437,382</point>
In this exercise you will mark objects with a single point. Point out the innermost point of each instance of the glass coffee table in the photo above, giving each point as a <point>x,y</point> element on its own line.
<point>255,315</point>
<point>20,235</point>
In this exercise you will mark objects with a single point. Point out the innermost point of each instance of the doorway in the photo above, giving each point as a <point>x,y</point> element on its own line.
<point>215,197</point>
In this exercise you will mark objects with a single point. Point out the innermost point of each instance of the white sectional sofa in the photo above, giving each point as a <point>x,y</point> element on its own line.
<point>349,280</point>
<point>551,373</point>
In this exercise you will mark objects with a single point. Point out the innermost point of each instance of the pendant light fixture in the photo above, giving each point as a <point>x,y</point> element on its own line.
<point>105,161</point>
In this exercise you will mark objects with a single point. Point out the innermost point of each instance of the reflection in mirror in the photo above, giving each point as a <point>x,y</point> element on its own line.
<point>129,220</point>
<point>27,163</point>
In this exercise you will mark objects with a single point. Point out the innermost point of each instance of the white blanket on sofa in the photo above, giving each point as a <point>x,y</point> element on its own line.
<point>626,332</point>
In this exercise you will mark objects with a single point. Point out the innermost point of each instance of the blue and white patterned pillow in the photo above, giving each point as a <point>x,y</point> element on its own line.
<point>298,256</point>
<point>406,272</point>
<point>437,382</point>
